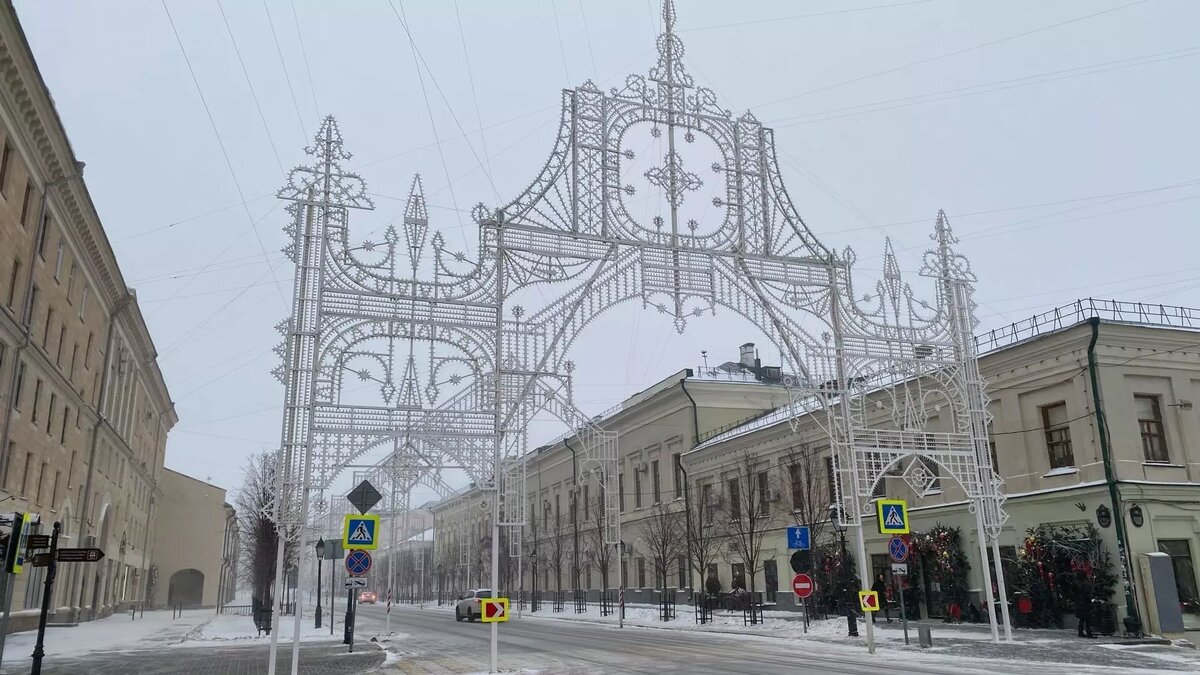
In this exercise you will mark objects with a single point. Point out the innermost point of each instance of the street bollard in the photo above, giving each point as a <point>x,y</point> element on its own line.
<point>924,636</point>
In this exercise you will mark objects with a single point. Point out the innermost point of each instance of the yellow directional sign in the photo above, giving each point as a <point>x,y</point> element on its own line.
<point>868,601</point>
<point>360,532</point>
<point>493,609</point>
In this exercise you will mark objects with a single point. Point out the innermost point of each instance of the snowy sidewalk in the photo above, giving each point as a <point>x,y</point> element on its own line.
<point>154,630</point>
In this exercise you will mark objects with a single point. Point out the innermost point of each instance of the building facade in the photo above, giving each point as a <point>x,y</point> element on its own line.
<point>192,530</point>
<point>774,471</point>
<point>561,547</point>
<point>85,409</point>
<point>1055,381</point>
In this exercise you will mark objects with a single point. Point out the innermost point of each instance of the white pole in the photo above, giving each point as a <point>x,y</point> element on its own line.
<point>392,550</point>
<point>1003,591</point>
<point>864,576</point>
<point>983,566</point>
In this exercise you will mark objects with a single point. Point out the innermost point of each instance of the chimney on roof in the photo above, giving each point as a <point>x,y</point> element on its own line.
<point>746,355</point>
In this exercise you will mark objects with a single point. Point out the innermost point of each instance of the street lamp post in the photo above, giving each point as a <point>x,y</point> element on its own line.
<point>320,557</point>
<point>851,622</point>
<point>533,601</point>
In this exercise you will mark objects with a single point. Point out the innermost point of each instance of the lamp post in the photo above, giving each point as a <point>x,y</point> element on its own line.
<point>533,601</point>
<point>851,622</point>
<point>320,557</point>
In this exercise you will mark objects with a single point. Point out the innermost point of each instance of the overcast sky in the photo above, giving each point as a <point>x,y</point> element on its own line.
<point>1060,138</point>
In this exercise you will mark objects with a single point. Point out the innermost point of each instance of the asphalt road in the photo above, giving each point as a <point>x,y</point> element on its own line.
<point>430,641</point>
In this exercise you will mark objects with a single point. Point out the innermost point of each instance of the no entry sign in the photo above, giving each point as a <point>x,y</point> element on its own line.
<point>803,586</point>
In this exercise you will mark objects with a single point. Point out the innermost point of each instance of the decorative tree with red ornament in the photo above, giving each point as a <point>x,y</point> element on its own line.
<point>1051,563</point>
<point>940,554</point>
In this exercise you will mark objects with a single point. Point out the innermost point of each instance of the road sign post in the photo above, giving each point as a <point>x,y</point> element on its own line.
<point>39,648</point>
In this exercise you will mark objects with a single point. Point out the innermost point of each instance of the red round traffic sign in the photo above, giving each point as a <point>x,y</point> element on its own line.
<point>803,586</point>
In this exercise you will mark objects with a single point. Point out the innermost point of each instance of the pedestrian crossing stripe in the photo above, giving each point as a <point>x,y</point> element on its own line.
<point>892,515</point>
<point>360,532</point>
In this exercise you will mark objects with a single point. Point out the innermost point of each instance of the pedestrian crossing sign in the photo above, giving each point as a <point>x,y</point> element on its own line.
<point>360,532</point>
<point>893,516</point>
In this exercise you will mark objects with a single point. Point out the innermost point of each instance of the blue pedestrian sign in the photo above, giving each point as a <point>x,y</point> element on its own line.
<point>798,537</point>
<point>360,532</point>
<point>893,516</point>
<point>358,563</point>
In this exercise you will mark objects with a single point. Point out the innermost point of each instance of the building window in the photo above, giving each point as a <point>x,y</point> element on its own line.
<point>45,234</point>
<point>709,502</point>
<point>46,330</point>
<point>16,402</point>
<point>735,500</point>
<point>637,488</point>
<point>677,469</point>
<point>83,301</point>
<point>54,490</point>
<point>737,576</point>
<point>25,474</point>
<point>654,480</point>
<point>62,432</point>
<point>1058,435</point>
<point>1150,424</point>
<point>1185,573</point>
<point>74,356</point>
<point>50,411</point>
<point>771,578</point>
<point>25,204</point>
<point>711,572</point>
<point>12,283</point>
<point>71,284</point>
<point>682,564</point>
<point>62,337</point>
<point>5,155</point>
<point>37,399</point>
<point>796,474</point>
<point>587,508</point>
<point>621,490</point>
<point>41,479</point>
<point>764,494</point>
<point>58,260</point>
<point>624,574</point>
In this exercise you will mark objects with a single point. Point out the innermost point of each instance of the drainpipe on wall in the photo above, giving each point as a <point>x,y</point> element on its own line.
<point>1133,623</point>
<point>687,499</point>
<point>574,515</point>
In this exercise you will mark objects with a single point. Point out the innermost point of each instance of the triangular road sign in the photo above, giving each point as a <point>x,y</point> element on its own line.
<point>894,518</point>
<point>361,534</point>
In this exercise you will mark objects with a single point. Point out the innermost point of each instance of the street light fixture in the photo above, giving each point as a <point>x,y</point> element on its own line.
<point>320,557</point>
<point>843,580</point>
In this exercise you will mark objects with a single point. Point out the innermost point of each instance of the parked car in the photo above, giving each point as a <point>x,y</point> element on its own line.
<point>468,604</point>
<point>367,598</point>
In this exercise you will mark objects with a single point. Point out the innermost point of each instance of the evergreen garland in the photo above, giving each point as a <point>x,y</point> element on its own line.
<point>942,558</point>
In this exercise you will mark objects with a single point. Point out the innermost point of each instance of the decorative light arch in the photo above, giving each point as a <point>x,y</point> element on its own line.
<point>572,228</point>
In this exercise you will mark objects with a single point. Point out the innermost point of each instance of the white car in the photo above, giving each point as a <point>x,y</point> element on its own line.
<point>468,606</point>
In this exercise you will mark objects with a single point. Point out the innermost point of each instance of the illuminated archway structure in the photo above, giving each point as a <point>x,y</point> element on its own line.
<point>459,368</point>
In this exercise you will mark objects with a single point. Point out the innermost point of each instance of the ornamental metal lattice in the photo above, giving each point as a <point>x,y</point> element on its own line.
<point>457,368</point>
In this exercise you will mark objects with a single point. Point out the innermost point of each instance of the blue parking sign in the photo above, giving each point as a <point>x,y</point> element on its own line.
<point>798,537</point>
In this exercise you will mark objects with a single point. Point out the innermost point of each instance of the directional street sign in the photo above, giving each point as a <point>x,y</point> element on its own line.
<point>364,496</point>
<point>38,541</point>
<point>360,532</point>
<point>358,563</point>
<point>494,610</point>
<point>868,601</point>
<point>79,555</point>
<point>803,586</point>
<point>356,582</point>
<point>798,537</point>
<point>900,569</point>
<point>892,515</point>
<point>898,549</point>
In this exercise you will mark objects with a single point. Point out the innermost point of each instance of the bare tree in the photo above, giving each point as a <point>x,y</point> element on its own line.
<point>745,519</point>
<point>664,538</point>
<point>599,554</point>
<point>810,492</point>
<point>558,548</point>
<point>259,539</point>
<point>703,544</point>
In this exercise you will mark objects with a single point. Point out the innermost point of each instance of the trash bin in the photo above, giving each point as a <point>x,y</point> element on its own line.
<point>924,636</point>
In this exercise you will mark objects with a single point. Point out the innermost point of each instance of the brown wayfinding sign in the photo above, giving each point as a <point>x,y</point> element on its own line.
<point>79,555</point>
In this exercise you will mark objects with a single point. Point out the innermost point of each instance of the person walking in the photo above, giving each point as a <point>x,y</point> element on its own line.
<point>880,587</point>
<point>1083,607</point>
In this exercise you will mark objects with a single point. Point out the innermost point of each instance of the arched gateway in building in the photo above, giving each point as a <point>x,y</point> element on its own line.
<point>458,368</point>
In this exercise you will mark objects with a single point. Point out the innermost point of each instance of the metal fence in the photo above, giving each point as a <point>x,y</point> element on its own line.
<point>236,610</point>
<point>580,602</point>
<point>558,601</point>
<point>1068,315</point>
